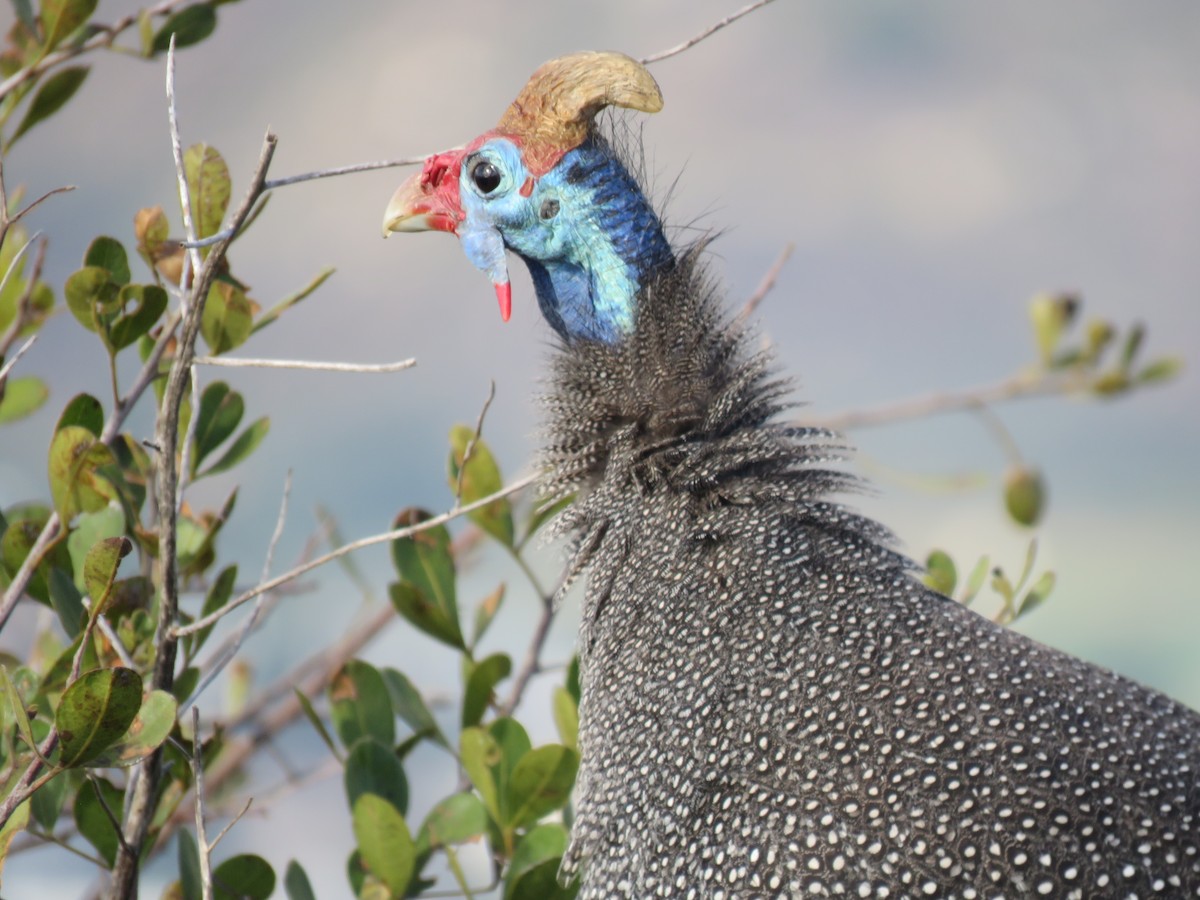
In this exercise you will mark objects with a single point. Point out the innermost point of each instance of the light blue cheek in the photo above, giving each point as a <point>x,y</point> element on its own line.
<point>484,247</point>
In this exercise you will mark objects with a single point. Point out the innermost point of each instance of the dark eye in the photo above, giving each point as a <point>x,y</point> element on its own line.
<point>486,176</point>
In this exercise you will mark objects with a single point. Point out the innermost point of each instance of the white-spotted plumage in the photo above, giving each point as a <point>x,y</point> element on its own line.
<point>774,707</point>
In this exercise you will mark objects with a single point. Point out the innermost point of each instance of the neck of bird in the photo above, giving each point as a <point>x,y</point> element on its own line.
<point>612,246</point>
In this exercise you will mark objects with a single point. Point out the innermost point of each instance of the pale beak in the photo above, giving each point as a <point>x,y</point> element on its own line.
<point>415,207</point>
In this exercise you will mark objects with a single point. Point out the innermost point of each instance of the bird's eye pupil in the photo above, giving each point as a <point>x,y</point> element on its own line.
<point>486,176</point>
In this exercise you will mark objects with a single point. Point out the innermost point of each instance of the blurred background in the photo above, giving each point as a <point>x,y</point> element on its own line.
<point>935,165</point>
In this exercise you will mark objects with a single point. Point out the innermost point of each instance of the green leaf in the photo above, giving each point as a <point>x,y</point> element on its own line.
<point>424,614</point>
<point>541,783</point>
<point>100,569</point>
<point>532,872</point>
<point>424,560</point>
<point>190,879</point>
<point>373,768</point>
<point>566,717</point>
<point>85,411</point>
<point>93,822</point>
<point>149,728</point>
<point>486,611</point>
<point>291,300</point>
<point>540,515</point>
<point>482,681</point>
<point>360,704</point>
<point>574,687</point>
<point>455,820</point>
<point>221,411</point>
<point>1024,496</point>
<point>19,714</point>
<point>61,17</point>
<point>90,529</point>
<point>67,603</point>
<point>21,397</point>
<point>243,877</point>
<point>384,842</point>
<point>408,704</point>
<point>90,295</point>
<point>1155,373</point>
<point>245,444</point>
<point>1051,314</point>
<point>15,825</point>
<point>1037,594</point>
<point>183,685</point>
<point>296,884</point>
<point>149,302</point>
<point>50,98</point>
<point>47,802</point>
<point>109,254</point>
<point>480,477</point>
<point>17,541</point>
<point>75,484</point>
<point>480,753</point>
<point>94,712</point>
<point>207,175</point>
<point>975,581</point>
<point>315,721</point>
<point>190,25</point>
<point>940,573</point>
<point>219,593</point>
<point>228,317</point>
<point>1133,343</point>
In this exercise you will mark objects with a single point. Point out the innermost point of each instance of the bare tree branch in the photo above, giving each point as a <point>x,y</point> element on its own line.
<point>1031,384</point>
<point>470,448</point>
<point>386,537</point>
<point>710,30</point>
<point>205,851</point>
<point>236,363</point>
<point>767,283</point>
<point>229,652</point>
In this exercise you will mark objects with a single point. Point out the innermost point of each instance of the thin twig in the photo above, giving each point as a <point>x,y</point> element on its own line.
<point>1033,384</point>
<point>185,199</point>
<point>767,283</point>
<point>470,448</point>
<point>345,170</point>
<point>308,678</point>
<point>533,654</point>
<point>30,207</point>
<point>310,176</point>
<point>189,438</point>
<point>24,305</point>
<point>229,652</point>
<point>16,260</point>
<point>224,831</point>
<point>243,363</point>
<point>8,366</point>
<point>712,29</point>
<point>371,541</point>
<point>205,851</point>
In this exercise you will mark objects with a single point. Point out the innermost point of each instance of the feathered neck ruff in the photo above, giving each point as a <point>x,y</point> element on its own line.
<point>684,407</point>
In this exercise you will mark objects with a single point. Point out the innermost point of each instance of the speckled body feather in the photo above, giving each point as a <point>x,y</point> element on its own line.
<point>773,707</point>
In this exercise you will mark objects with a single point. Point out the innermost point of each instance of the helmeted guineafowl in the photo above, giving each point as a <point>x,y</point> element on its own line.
<point>773,706</point>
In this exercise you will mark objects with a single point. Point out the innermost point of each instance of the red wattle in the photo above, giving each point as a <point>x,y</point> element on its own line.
<point>504,295</point>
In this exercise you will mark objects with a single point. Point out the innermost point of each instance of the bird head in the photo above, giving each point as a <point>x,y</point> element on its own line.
<point>546,186</point>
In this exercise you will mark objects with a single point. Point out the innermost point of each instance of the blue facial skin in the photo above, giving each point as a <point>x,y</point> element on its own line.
<point>586,232</point>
